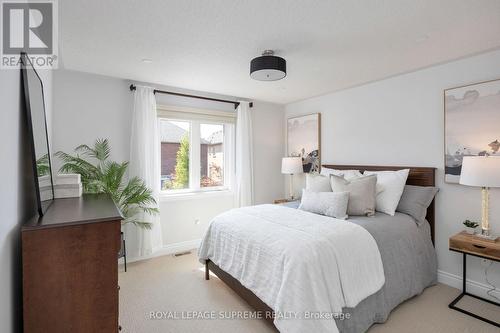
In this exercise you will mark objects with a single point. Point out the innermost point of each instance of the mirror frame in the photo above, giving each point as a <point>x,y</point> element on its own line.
<point>25,65</point>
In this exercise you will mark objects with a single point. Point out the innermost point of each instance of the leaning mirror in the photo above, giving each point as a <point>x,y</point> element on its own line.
<point>37,132</point>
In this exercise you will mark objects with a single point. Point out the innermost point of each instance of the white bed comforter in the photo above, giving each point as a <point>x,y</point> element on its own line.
<point>300,264</point>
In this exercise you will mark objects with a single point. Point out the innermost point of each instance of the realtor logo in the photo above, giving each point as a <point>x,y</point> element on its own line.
<point>29,26</point>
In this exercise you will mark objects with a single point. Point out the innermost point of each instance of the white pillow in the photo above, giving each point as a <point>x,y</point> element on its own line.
<point>325,203</point>
<point>390,186</point>
<point>348,174</point>
<point>317,183</point>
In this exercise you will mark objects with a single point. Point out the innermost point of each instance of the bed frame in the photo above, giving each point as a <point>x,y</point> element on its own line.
<point>420,176</point>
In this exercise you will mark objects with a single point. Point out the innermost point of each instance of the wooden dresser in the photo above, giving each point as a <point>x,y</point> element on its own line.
<point>70,267</point>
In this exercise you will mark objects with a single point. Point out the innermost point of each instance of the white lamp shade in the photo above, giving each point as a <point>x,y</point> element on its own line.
<point>291,165</point>
<point>480,171</point>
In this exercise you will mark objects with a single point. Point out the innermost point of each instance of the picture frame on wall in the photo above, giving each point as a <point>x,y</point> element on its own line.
<point>304,140</point>
<point>471,120</point>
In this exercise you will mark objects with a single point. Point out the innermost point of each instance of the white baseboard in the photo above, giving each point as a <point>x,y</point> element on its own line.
<point>167,250</point>
<point>179,247</point>
<point>473,287</point>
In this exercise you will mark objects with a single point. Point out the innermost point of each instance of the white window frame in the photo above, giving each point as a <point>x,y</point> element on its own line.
<point>196,117</point>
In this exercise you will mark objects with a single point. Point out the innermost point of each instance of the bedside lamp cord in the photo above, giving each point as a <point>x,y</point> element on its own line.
<point>491,285</point>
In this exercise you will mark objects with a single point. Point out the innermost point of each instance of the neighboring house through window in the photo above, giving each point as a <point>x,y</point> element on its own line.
<point>196,149</point>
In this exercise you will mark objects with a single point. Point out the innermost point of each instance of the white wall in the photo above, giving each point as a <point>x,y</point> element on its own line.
<point>186,219</point>
<point>399,121</point>
<point>16,193</point>
<point>88,106</point>
<point>268,140</point>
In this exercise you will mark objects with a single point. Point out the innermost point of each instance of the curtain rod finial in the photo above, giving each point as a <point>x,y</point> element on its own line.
<point>132,87</point>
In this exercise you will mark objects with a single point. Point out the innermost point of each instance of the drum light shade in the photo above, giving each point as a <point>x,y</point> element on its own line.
<point>268,67</point>
<point>480,171</point>
<point>291,165</point>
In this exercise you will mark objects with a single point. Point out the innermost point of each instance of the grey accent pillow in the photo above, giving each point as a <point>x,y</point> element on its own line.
<point>317,183</point>
<point>415,201</point>
<point>325,203</point>
<point>362,193</point>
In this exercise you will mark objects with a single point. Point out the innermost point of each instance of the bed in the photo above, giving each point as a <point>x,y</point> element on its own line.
<point>406,251</point>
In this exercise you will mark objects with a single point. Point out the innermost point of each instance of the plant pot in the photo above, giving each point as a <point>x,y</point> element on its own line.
<point>470,231</point>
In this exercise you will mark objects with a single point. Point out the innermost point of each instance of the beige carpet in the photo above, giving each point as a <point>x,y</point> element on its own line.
<point>170,285</point>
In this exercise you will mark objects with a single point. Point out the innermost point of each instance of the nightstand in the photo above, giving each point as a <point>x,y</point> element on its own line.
<point>472,245</point>
<point>282,201</point>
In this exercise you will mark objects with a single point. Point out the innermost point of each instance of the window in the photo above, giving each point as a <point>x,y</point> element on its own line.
<point>196,151</point>
<point>212,155</point>
<point>175,142</point>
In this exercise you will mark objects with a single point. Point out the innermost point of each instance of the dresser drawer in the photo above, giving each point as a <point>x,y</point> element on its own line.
<point>475,246</point>
<point>72,273</point>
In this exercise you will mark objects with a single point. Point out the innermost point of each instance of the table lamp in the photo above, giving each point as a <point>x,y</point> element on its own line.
<point>291,166</point>
<point>482,171</point>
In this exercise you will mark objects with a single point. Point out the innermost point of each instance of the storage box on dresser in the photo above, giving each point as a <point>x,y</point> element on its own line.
<point>70,267</point>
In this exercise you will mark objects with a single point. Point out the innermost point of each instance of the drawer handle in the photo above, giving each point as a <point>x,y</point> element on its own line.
<point>479,246</point>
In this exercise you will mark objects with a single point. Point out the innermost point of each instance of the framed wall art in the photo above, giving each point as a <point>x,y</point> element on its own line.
<point>303,140</point>
<point>472,124</point>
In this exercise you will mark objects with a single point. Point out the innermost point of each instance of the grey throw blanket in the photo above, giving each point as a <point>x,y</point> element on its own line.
<point>410,265</point>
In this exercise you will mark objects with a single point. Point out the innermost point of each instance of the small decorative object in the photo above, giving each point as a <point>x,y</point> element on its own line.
<point>472,115</point>
<point>482,171</point>
<point>291,166</point>
<point>303,140</point>
<point>68,186</point>
<point>470,227</point>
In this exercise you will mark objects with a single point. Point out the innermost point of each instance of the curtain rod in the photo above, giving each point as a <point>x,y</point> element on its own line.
<point>133,87</point>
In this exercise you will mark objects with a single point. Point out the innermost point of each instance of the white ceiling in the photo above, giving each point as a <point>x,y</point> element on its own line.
<point>328,45</point>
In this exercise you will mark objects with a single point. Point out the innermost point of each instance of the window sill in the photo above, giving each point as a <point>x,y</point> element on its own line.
<point>195,195</point>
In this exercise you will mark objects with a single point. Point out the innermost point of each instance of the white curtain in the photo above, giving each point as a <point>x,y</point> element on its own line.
<point>145,164</point>
<point>244,156</point>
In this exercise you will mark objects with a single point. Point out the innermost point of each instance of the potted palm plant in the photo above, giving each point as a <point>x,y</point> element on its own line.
<point>100,175</point>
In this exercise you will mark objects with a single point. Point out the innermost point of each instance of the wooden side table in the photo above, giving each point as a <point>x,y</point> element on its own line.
<point>472,245</point>
<point>281,201</point>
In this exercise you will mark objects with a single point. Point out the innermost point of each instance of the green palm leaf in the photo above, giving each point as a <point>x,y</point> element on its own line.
<point>100,151</point>
<point>42,165</point>
<point>99,175</point>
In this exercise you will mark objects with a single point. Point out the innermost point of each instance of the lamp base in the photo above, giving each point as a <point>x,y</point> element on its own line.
<point>485,232</point>
<point>486,235</point>
<point>291,187</point>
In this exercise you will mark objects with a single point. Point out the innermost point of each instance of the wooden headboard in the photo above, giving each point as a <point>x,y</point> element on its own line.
<point>418,176</point>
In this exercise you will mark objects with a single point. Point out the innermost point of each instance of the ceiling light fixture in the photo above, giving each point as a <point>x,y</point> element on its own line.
<point>268,67</point>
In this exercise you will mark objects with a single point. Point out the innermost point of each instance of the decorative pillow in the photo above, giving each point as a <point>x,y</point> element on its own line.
<point>348,174</point>
<point>361,193</point>
<point>317,183</point>
<point>391,184</point>
<point>325,203</point>
<point>415,201</point>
